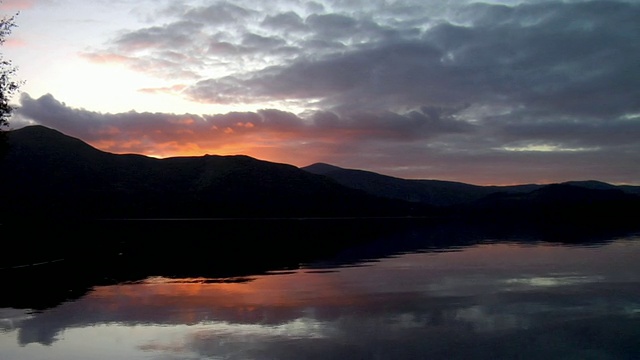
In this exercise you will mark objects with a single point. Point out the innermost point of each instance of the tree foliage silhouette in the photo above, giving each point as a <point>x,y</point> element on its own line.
<point>8,86</point>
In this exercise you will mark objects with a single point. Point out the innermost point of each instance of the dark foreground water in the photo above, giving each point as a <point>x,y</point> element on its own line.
<point>415,294</point>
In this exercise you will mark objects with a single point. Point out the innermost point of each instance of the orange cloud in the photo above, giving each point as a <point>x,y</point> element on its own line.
<point>188,135</point>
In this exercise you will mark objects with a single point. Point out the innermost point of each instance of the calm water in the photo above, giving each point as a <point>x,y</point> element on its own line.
<point>488,299</point>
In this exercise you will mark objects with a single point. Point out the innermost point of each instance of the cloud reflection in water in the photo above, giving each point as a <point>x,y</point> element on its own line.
<point>490,301</point>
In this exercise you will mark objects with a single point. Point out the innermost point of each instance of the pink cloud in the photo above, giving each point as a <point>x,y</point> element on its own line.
<point>106,57</point>
<point>168,89</point>
<point>14,43</point>
<point>15,5</point>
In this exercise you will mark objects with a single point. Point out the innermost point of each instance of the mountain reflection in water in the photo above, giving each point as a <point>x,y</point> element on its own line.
<point>485,300</point>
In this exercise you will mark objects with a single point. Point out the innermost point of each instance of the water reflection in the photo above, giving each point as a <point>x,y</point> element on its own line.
<point>489,300</point>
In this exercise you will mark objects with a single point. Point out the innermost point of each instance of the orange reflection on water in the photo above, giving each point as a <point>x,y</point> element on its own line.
<point>193,300</point>
<point>285,296</point>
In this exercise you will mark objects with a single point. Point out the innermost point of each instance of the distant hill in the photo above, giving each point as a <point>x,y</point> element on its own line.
<point>67,208</point>
<point>49,174</point>
<point>560,204</point>
<point>592,184</point>
<point>432,192</point>
<point>588,201</point>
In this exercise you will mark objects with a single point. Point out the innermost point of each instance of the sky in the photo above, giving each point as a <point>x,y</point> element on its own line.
<point>490,93</point>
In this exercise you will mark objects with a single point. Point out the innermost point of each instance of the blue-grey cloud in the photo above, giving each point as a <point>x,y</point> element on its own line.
<point>540,56</point>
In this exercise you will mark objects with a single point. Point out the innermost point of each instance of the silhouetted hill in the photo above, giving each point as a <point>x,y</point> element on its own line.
<point>431,192</point>
<point>589,201</point>
<point>67,200</point>
<point>48,174</point>
<point>593,204</point>
<point>593,184</point>
<point>630,189</point>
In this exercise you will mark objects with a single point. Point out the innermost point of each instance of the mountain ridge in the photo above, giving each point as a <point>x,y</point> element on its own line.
<point>50,174</point>
<point>440,192</point>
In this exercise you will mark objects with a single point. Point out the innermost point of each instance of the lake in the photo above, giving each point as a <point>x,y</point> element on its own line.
<point>413,292</point>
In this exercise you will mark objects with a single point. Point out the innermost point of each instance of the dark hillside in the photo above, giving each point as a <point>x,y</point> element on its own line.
<point>561,203</point>
<point>430,192</point>
<point>48,174</point>
<point>593,202</point>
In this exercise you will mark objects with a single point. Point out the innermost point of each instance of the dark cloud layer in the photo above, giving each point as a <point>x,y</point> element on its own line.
<point>413,88</point>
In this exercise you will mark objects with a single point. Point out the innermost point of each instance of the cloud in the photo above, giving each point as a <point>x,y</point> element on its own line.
<point>442,142</point>
<point>412,88</point>
<point>570,58</point>
<point>13,5</point>
<point>539,55</point>
<point>332,26</point>
<point>243,132</point>
<point>220,13</point>
<point>285,22</point>
<point>174,36</point>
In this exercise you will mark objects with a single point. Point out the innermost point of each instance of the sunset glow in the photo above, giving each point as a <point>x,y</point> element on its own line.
<point>485,93</point>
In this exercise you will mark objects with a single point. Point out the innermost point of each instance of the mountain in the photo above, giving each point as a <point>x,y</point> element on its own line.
<point>73,216</point>
<point>592,184</point>
<point>432,192</point>
<point>50,175</point>
<point>586,201</point>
